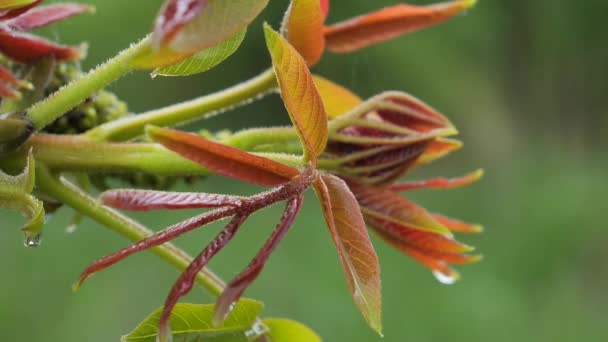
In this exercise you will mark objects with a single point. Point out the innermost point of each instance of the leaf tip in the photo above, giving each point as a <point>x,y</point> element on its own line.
<point>466,4</point>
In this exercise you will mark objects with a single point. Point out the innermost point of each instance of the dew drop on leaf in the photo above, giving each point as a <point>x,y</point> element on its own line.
<point>445,279</point>
<point>32,241</point>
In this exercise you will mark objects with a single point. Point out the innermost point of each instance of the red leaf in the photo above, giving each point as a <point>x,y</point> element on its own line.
<point>457,225</point>
<point>46,15</point>
<point>439,183</point>
<point>145,200</point>
<point>4,15</point>
<point>388,23</point>
<point>173,16</point>
<point>224,160</point>
<point>411,113</point>
<point>26,48</point>
<point>325,8</point>
<point>240,283</point>
<point>384,204</point>
<point>304,29</point>
<point>439,148</point>
<point>356,251</point>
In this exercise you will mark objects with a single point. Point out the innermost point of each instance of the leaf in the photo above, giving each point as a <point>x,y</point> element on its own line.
<point>336,99</point>
<point>224,160</point>
<point>356,252</point>
<point>438,149</point>
<point>388,23</point>
<point>145,200</point>
<point>13,133</point>
<point>11,4</point>
<point>286,330</point>
<point>325,8</point>
<point>203,24</point>
<point>46,15</point>
<point>457,225</point>
<point>384,204</point>
<point>299,94</point>
<point>303,27</point>
<point>439,183</point>
<point>15,194</point>
<point>192,322</point>
<point>26,48</point>
<point>204,60</point>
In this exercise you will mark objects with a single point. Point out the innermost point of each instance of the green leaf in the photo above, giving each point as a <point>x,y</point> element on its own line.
<point>192,322</point>
<point>285,330</point>
<point>204,60</point>
<point>15,194</point>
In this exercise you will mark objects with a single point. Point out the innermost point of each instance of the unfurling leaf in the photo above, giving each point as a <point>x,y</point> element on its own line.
<point>356,252</point>
<point>192,322</point>
<point>15,194</point>
<point>286,330</point>
<point>386,205</point>
<point>388,23</point>
<point>224,160</point>
<point>299,94</point>
<point>145,200</point>
<point>187,27</point>
<point>303,26</point>
<point>458,226</point>
<point>336,99</point>
<point>439,183</point>
<point>204,60</point>
<point>438,149</point>
<point>26,48</point>
<point>42,16</point>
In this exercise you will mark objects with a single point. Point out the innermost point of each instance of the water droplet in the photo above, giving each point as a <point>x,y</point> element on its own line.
<point>258,329</point>
<point>33,241</point>
<point>446,279</point>
<point>71,228</point>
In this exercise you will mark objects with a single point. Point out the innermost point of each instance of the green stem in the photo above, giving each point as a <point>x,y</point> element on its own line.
<point>72,196</point>
<point>200,108</point>
<point>68,97</point>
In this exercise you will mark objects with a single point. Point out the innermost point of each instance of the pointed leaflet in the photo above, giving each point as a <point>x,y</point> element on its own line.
<point>439,183</point>
<point>384,204</point>
<point>303,27</point>
<point>457,225</point>
<point>186,27</point>
<point>299,94</point>
<point>356,252</point>
<point>388,23</point>
<point>42,16</point>
<point>145,200</point>
<point>325,8</point>
<point>336,99</point>
<point>192,322</point>
<point>204,60</point>
<point>224,160</point>
<point>26,48</point>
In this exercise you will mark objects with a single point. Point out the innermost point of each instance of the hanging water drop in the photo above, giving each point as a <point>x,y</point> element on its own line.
<point>33,241</point>
<point>446,279</point>
<point>257,330</point>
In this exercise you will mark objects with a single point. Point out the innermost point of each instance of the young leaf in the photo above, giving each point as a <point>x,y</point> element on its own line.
<point>145,200</point>
<point>11,4</point>
<point>286,330</point>
<point>222,159</point>
<point>325,8</point>
<point>299,94</point>
<point>303,26</point>
<point>26,48</point>
<point>42,16</point>
<point>356,252</point>
<point>438,149</point>
<point>204,60</point>
<point>384,204</point>
<point>336,99</point>
<point>186,27</point>
<point>388,23</point>
<point>439,183</point>
<point>457,225</point>
<point>192,322</point>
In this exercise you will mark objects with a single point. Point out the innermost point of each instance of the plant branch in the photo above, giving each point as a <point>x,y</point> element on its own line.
<point>46,111</point>
<point>181,113</point>
<point>72,196</point>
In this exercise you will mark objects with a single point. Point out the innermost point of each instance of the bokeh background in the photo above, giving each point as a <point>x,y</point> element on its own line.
<point>525,82</point>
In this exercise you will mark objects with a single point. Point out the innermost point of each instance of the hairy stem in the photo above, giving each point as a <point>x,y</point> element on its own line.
<point>200,108</point>
<point>69,194</point>
<point>68,97</point>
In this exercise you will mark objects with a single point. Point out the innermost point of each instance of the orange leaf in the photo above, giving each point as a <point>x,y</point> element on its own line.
<point>384,204</point>
<point>299,94</point>
<point>304,28</point>
<point>336,99</point>
<point>388,23</point>
<point>224,160</point>
<point>439,183</point>
<point>457,225</point>
<point>356,252</point>
<point>325,8</point>
<point>438,149</point>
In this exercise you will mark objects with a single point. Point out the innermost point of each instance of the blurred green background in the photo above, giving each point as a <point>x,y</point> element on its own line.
<point>525,82</point>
